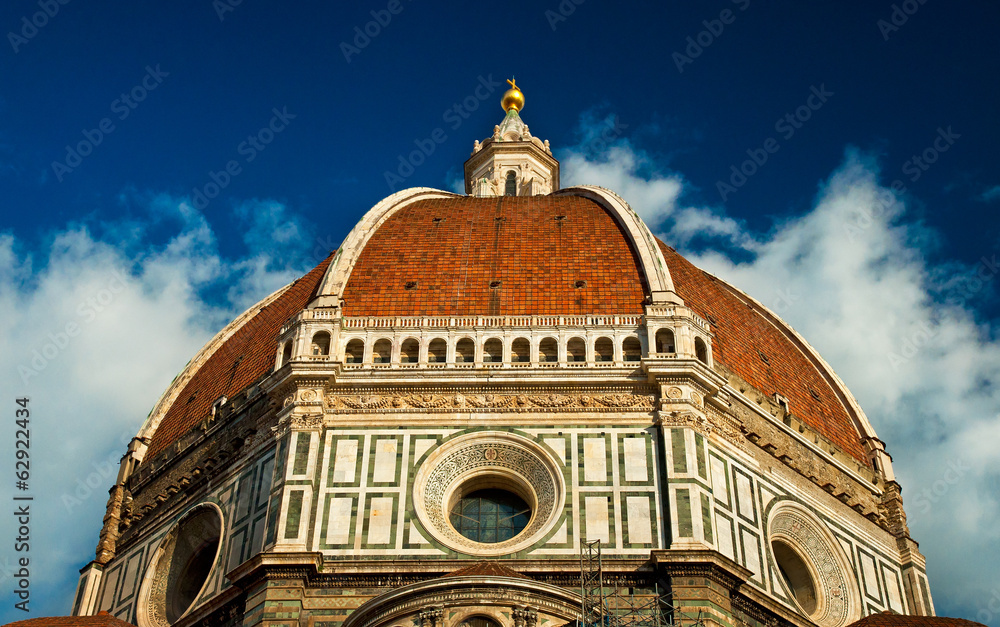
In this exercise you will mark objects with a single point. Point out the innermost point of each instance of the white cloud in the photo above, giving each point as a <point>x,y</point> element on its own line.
<point>93,336</point>
<point>606,157</point>
<point>852,274</point>
<point>991,194</point>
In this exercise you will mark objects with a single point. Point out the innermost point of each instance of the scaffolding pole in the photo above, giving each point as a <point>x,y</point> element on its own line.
<point>609,607</point>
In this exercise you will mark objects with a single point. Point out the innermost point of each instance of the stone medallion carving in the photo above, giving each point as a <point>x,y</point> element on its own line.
<point>791,527</point>
<point>490,459</point>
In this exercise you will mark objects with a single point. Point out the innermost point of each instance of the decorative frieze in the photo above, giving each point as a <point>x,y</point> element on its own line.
<point>720,424</point>
<point>457,401</point>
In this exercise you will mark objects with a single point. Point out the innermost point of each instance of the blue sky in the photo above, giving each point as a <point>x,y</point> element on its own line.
<point>836,160</point>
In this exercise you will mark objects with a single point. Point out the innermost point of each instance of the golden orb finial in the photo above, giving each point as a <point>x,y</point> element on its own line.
<point>512,98</point>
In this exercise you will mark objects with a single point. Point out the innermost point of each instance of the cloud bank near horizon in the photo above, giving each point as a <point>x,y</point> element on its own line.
<point>95,321</point>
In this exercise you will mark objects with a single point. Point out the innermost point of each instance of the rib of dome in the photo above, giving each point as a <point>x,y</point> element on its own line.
<point>242,360</point>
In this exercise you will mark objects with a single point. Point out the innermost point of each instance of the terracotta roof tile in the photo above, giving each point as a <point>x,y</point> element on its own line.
<point>450,251</point>
<point>243,359</point>
<point>103,619</point>
<point>891,619</point>
<point>743,334</point>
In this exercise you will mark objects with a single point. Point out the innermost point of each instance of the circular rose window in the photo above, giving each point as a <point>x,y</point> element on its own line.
<point>490,493</point>
<point>181,566</point>
<point>812,569</point>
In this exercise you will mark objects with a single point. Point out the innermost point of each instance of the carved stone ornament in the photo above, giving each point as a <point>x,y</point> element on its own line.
<point>795,527</point>
<point>491,402</point>
<point>314,421</point>
<point>719,424</point>
<point>488,458</point>
<point>674,392</point>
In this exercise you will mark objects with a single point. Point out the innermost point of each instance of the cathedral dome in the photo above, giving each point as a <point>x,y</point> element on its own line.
<point>554,255</point>
<point>522,372</point>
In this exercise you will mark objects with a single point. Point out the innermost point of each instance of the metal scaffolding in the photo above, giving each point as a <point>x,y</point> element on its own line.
<point>610,607</point>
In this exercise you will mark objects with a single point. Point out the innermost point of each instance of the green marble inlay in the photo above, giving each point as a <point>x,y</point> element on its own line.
<point>706,518</point>
<point>679,450</point>
<point>685,528</point>
<point>301,453</point>
<point>294,514</point>
<point>699,450</point>
<point>925,594</point>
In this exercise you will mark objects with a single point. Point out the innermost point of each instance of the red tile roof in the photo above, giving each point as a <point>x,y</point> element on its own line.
<point>103,619</point>
<point>891,619</point>
<point>743,333</point>
<point>242,359</point>
<point>449,251</point>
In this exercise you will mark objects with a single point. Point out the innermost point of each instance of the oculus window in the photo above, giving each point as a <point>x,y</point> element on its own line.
<point>490,516</point>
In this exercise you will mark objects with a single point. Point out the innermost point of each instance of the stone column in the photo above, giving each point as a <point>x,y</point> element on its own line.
<point>689,482</point>
<point>703,585</point>
<point>431,617</point>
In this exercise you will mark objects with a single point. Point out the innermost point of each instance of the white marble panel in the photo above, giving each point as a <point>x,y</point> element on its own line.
<point>597,518</point>
<point>720,489</point>
<point>892,590</point>
<point>558,445</point>
<point>385,460</point>
<point>420,447</point>
<point>416,537</point>
<point>744,493</point>
<point>635,459</point>
<point>559,537</point>
<point>640,529</point>
<point>595,464</point>
<point>870,576</point>
<point>751,552</point>
<point>346,462</point>
<point>724,533</point>
<point>380,520</point>
<point>338,523</point>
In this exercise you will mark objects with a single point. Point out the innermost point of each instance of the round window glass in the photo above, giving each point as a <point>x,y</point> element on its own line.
<point>490,515</point>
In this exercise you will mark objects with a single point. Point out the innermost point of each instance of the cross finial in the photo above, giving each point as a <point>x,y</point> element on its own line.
<point>511,81</point>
